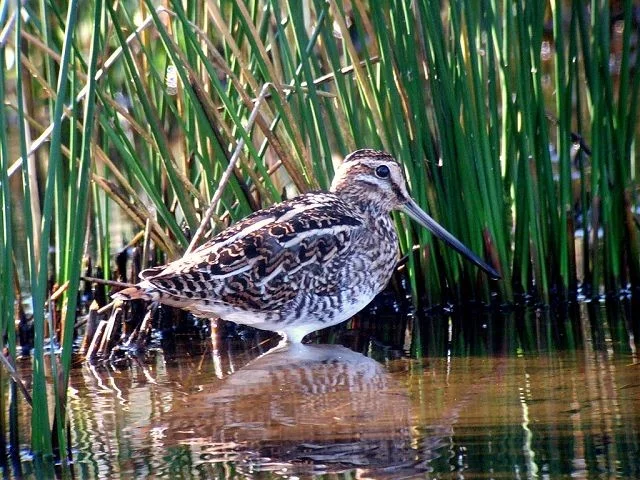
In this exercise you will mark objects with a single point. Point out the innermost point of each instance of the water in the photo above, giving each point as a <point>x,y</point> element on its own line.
<point>533,395</point>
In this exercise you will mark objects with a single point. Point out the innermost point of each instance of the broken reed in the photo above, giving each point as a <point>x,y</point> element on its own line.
<point>458,91</point>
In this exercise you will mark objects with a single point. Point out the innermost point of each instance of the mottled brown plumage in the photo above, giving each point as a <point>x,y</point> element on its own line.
<point>303,264</point>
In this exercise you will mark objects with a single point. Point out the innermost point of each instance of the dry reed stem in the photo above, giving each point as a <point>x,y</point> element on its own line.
<point>227,174</point>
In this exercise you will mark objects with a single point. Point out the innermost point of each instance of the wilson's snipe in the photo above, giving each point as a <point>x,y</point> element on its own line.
<point>304,264</point>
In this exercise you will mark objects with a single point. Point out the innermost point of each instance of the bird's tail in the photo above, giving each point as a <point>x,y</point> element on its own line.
<point>131,293</point>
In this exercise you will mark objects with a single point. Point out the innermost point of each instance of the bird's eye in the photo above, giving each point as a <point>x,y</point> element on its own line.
<point>382,171</point>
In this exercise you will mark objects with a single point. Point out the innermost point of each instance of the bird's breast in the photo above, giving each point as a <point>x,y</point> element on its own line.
<point>371,261</point>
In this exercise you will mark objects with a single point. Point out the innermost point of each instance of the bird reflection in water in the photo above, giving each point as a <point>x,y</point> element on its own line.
<point>301,404</point>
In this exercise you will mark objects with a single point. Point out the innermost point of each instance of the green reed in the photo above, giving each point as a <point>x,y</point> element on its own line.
<point>39,419</point>
<point>7,297</point>
<point>458,91</point>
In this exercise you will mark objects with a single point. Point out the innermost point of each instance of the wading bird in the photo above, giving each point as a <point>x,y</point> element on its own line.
<point>304,264</point>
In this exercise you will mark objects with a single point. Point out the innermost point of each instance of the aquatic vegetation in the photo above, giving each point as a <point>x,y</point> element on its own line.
<point>515,122</point>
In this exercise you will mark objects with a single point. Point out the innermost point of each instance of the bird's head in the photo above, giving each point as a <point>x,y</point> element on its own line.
<point>375,181</point>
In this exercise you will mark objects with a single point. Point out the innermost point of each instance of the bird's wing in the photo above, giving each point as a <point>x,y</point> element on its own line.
<point>251,265</point>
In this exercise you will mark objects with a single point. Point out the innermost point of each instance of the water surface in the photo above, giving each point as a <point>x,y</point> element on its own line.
<point>518,408</point>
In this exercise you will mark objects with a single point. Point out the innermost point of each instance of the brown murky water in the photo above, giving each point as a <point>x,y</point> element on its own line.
<point>231,411</point>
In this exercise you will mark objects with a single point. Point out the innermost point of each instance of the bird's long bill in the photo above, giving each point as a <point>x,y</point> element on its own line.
<point>412,209</point>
